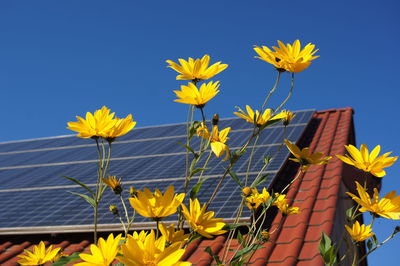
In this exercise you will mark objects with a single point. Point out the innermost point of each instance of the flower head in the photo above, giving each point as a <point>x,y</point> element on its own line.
<point>39,255</point>
<point>201,221</point>
<point>304,157</point>
<point>368,162</point>
<point>190,94</point>
<point>289,57</point>
<point>286,116</point>
<point>196,70</point>
<point>151,251</point>
<point>172,236</point>
<point>156,205</point>
<point>101,254</point>
<point>121,127</point>
<point>255,199</point>
<point>388,206</point>
<point>101,124</point>
<point>281,203</point>
<point>359,232</point>
<point>114,184</point>
<point>217,139</point>
<point>254,117</point>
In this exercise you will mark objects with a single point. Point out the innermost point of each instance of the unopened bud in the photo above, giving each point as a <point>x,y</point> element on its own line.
<point>133,192</point>
<point>114,210</point>
<point>247,191</point>
<point>215,119</point>
<point>397,229</point>
<point>265,235</point>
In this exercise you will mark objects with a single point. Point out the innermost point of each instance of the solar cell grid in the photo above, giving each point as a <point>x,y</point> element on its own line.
<point>147,157</point>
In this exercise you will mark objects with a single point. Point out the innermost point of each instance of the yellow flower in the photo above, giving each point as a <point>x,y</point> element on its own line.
<point>368,162</point>
<point>121,127</point>
<point>288,57</point>
<point>101,254</point>
<point>151,252</point>
<point>101,124</point>
<point>196,70</point>
<point>172,236</point>
<point>113,183</point>
<point>255,199</point>
<point>201,221</point>
<point>281,203</point>
<point>304,157</point>
<point>190,94</point>
<point>95,124</point>
<point>39,255</point>
<point>388,206</point>
<point>359,232</point>
<point>156,205</point>
<point>217,139</point>
<point>140,236</point>
<point>254,117</point>
<point>286,117</point>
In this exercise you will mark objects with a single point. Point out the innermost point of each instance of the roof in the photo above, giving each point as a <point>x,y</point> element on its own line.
<point>319,193</point>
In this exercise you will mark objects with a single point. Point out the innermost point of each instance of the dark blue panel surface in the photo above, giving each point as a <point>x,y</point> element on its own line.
<point>146,157</point>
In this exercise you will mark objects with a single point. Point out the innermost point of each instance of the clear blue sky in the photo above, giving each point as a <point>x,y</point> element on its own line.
<point>59,59</point>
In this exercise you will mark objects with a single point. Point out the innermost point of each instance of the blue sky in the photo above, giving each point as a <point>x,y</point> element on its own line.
<point>59,59</point>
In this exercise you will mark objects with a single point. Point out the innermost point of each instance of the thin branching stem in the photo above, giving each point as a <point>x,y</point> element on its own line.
<point>271,92</point>
<point>288,97</point>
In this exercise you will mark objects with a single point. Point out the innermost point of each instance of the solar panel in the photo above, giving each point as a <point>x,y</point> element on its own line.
<point>34,192</point>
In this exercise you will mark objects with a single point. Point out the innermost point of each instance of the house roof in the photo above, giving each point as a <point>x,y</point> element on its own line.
<point>319,193</point>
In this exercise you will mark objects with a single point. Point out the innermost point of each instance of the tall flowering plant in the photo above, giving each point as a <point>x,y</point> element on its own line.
<point>165,244</point>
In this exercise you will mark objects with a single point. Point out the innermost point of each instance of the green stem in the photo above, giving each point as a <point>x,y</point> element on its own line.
<point>126,215</point>
<point>203,116</point>
<point>271,92</point>
<point>228,169</point>
<point>288,185</point>
<point>158,230</point>
<point>250,159</point>
<point>354,255</point>
<point>377,246</point>
<point>288,97</point>
<point>205,165</point>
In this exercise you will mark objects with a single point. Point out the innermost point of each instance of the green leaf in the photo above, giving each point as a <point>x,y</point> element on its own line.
<point>215,257</point>
<point>327,249</point>
<point>229,227</point>
<point>243,252</point>
<point>195,189</point>
<point>270,123</point>
<point>240,239</point>
<point>195,171</point>
<point>235,178</point>
<point>259,180</point>
<point>186,147</point>
<point>85,197</point>
<point>267,159</point>
<point>193,128</point>
<point>192,165</point>
<point>370,245</point>
<point>81,184</point>
<point>68,259</point>
<point>349,213</point>
<point>374,240</point>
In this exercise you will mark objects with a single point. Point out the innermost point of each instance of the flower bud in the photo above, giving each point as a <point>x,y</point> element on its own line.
<point>247,191</point>
<point>133,192</point>
<point>215,119</point>
<point>114,210</point>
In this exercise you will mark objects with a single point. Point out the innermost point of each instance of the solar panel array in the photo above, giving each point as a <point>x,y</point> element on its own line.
<point>34,193</point>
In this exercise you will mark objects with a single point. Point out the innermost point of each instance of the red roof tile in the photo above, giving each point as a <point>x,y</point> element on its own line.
<point>295,238</point>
